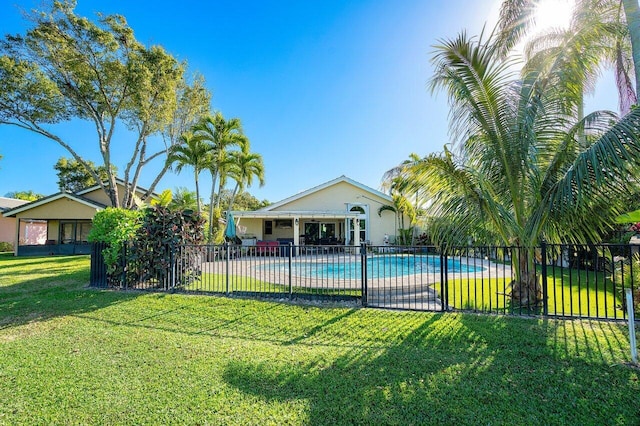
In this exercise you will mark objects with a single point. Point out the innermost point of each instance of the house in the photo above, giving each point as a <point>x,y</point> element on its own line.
<point>63,221</point>
<point>32,231</point>
<point>341,211</point>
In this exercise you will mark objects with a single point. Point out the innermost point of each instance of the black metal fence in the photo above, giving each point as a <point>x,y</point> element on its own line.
<point>568,280</point>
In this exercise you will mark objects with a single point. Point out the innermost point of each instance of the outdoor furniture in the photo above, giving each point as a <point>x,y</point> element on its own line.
<point>267,248</point>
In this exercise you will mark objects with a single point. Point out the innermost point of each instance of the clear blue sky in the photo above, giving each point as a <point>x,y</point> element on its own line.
<point>323,87</point>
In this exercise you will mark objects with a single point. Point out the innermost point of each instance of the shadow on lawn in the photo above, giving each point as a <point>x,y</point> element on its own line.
<point>59,289</point>
<point>455,369</point>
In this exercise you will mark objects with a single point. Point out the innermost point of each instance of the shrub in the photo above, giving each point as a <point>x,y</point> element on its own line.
<point>5,246</point>
<point>164,238</point>
<point>114,226</point>
<point>631,278</point>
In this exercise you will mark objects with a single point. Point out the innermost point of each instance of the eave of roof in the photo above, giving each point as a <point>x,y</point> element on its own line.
<point>291,214</point>
<point>320,187</point>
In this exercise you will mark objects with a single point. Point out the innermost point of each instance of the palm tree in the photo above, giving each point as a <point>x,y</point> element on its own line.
<point>223,136</point>
<point>517,174</point>
<point>192,152</point>
<point>406,198</point>
<point>245,166</point>
<point>601,33</point>
<point>183,199</point>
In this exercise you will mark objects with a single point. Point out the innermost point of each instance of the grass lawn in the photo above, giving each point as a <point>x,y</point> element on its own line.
<point>572,292</point>
<point>72,355</point>
<point>217,283</point>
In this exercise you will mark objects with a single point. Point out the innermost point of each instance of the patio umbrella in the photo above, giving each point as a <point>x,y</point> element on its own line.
<point>230,232</point>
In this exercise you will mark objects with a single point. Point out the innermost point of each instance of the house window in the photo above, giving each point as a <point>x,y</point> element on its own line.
<point>284,223</point>
<point>268,227</point>
<point>74,231</point>
<point>83,231</point>
<point>320,232</point>
<point>67,232</point>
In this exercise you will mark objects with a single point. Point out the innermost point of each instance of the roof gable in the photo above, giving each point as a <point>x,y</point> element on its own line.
<point>315,189</point>
<point>51,198</point>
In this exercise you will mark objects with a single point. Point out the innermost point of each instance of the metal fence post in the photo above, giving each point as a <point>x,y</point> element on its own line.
<point>444,276</point>
<point>632,326</point>
<point>227,255</point>
<point>173,258</point>
<point>124,265</point>
<point>363,273</point>
<point>290,253</point>
<point>545,287</point>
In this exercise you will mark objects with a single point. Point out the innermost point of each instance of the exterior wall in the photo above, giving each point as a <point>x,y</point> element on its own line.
<point>63,208</point>
<point>53,231</point>
<point>379,226</point>
<point>99,195</point>
<point>254,227</point>
<point>335,197</point>
<point>7,229</point>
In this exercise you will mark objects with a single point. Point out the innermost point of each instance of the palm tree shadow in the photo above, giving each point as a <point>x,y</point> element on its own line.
<point>445,369</point>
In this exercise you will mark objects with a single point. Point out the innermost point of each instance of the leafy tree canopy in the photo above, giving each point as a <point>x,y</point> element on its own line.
<point>243,201</point>
<point>72,176</point>
<point>68,67</point>
<point>28,195</point>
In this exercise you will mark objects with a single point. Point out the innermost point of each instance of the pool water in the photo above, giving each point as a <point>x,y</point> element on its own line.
<point>377,267</point>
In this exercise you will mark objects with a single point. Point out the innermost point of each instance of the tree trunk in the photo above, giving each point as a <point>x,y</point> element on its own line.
<point>211,201</point>
<point>525,289</point>
<point>632,14</point>
<point>197,194</point>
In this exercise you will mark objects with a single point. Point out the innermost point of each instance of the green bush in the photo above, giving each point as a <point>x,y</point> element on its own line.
<point>165,237</point>
<point>4,246</point>
<point>631,277</point>
<point>114,226</point>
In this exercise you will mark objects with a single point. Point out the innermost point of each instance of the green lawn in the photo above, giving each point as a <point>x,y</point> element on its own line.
<point>571,293</point>
<point>72,355</point>
<point>217,283</point>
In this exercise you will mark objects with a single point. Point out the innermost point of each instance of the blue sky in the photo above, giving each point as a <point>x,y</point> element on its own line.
<point>323,87</point>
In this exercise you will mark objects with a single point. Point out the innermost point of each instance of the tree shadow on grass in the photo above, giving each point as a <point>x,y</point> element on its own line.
<point>454,369</point>
<point>60,288</point>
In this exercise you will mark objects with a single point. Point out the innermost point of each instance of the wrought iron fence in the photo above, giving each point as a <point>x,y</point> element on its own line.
<point>564,280</point>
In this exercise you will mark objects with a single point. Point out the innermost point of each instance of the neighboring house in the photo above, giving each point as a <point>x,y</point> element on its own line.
<point>64,219</point>
<point>33,232</point>
<point>341,211</point>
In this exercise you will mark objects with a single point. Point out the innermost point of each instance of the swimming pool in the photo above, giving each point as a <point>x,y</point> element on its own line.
<point>377,267</point>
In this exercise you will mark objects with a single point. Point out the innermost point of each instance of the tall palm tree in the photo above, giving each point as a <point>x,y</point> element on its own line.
<point>191,152</point>
<point>516,173</point>
<point>601,33</point>
<point>245,166</point>
<point>223,136</point>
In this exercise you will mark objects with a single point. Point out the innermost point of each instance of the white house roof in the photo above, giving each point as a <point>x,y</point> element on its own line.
<point>320,187</point>
<point>50,198</point>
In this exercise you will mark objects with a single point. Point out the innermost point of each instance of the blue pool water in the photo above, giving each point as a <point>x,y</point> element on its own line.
<point>377,267</point>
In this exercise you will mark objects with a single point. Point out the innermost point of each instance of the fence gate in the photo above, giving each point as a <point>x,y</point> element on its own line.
<point>402,278</point>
